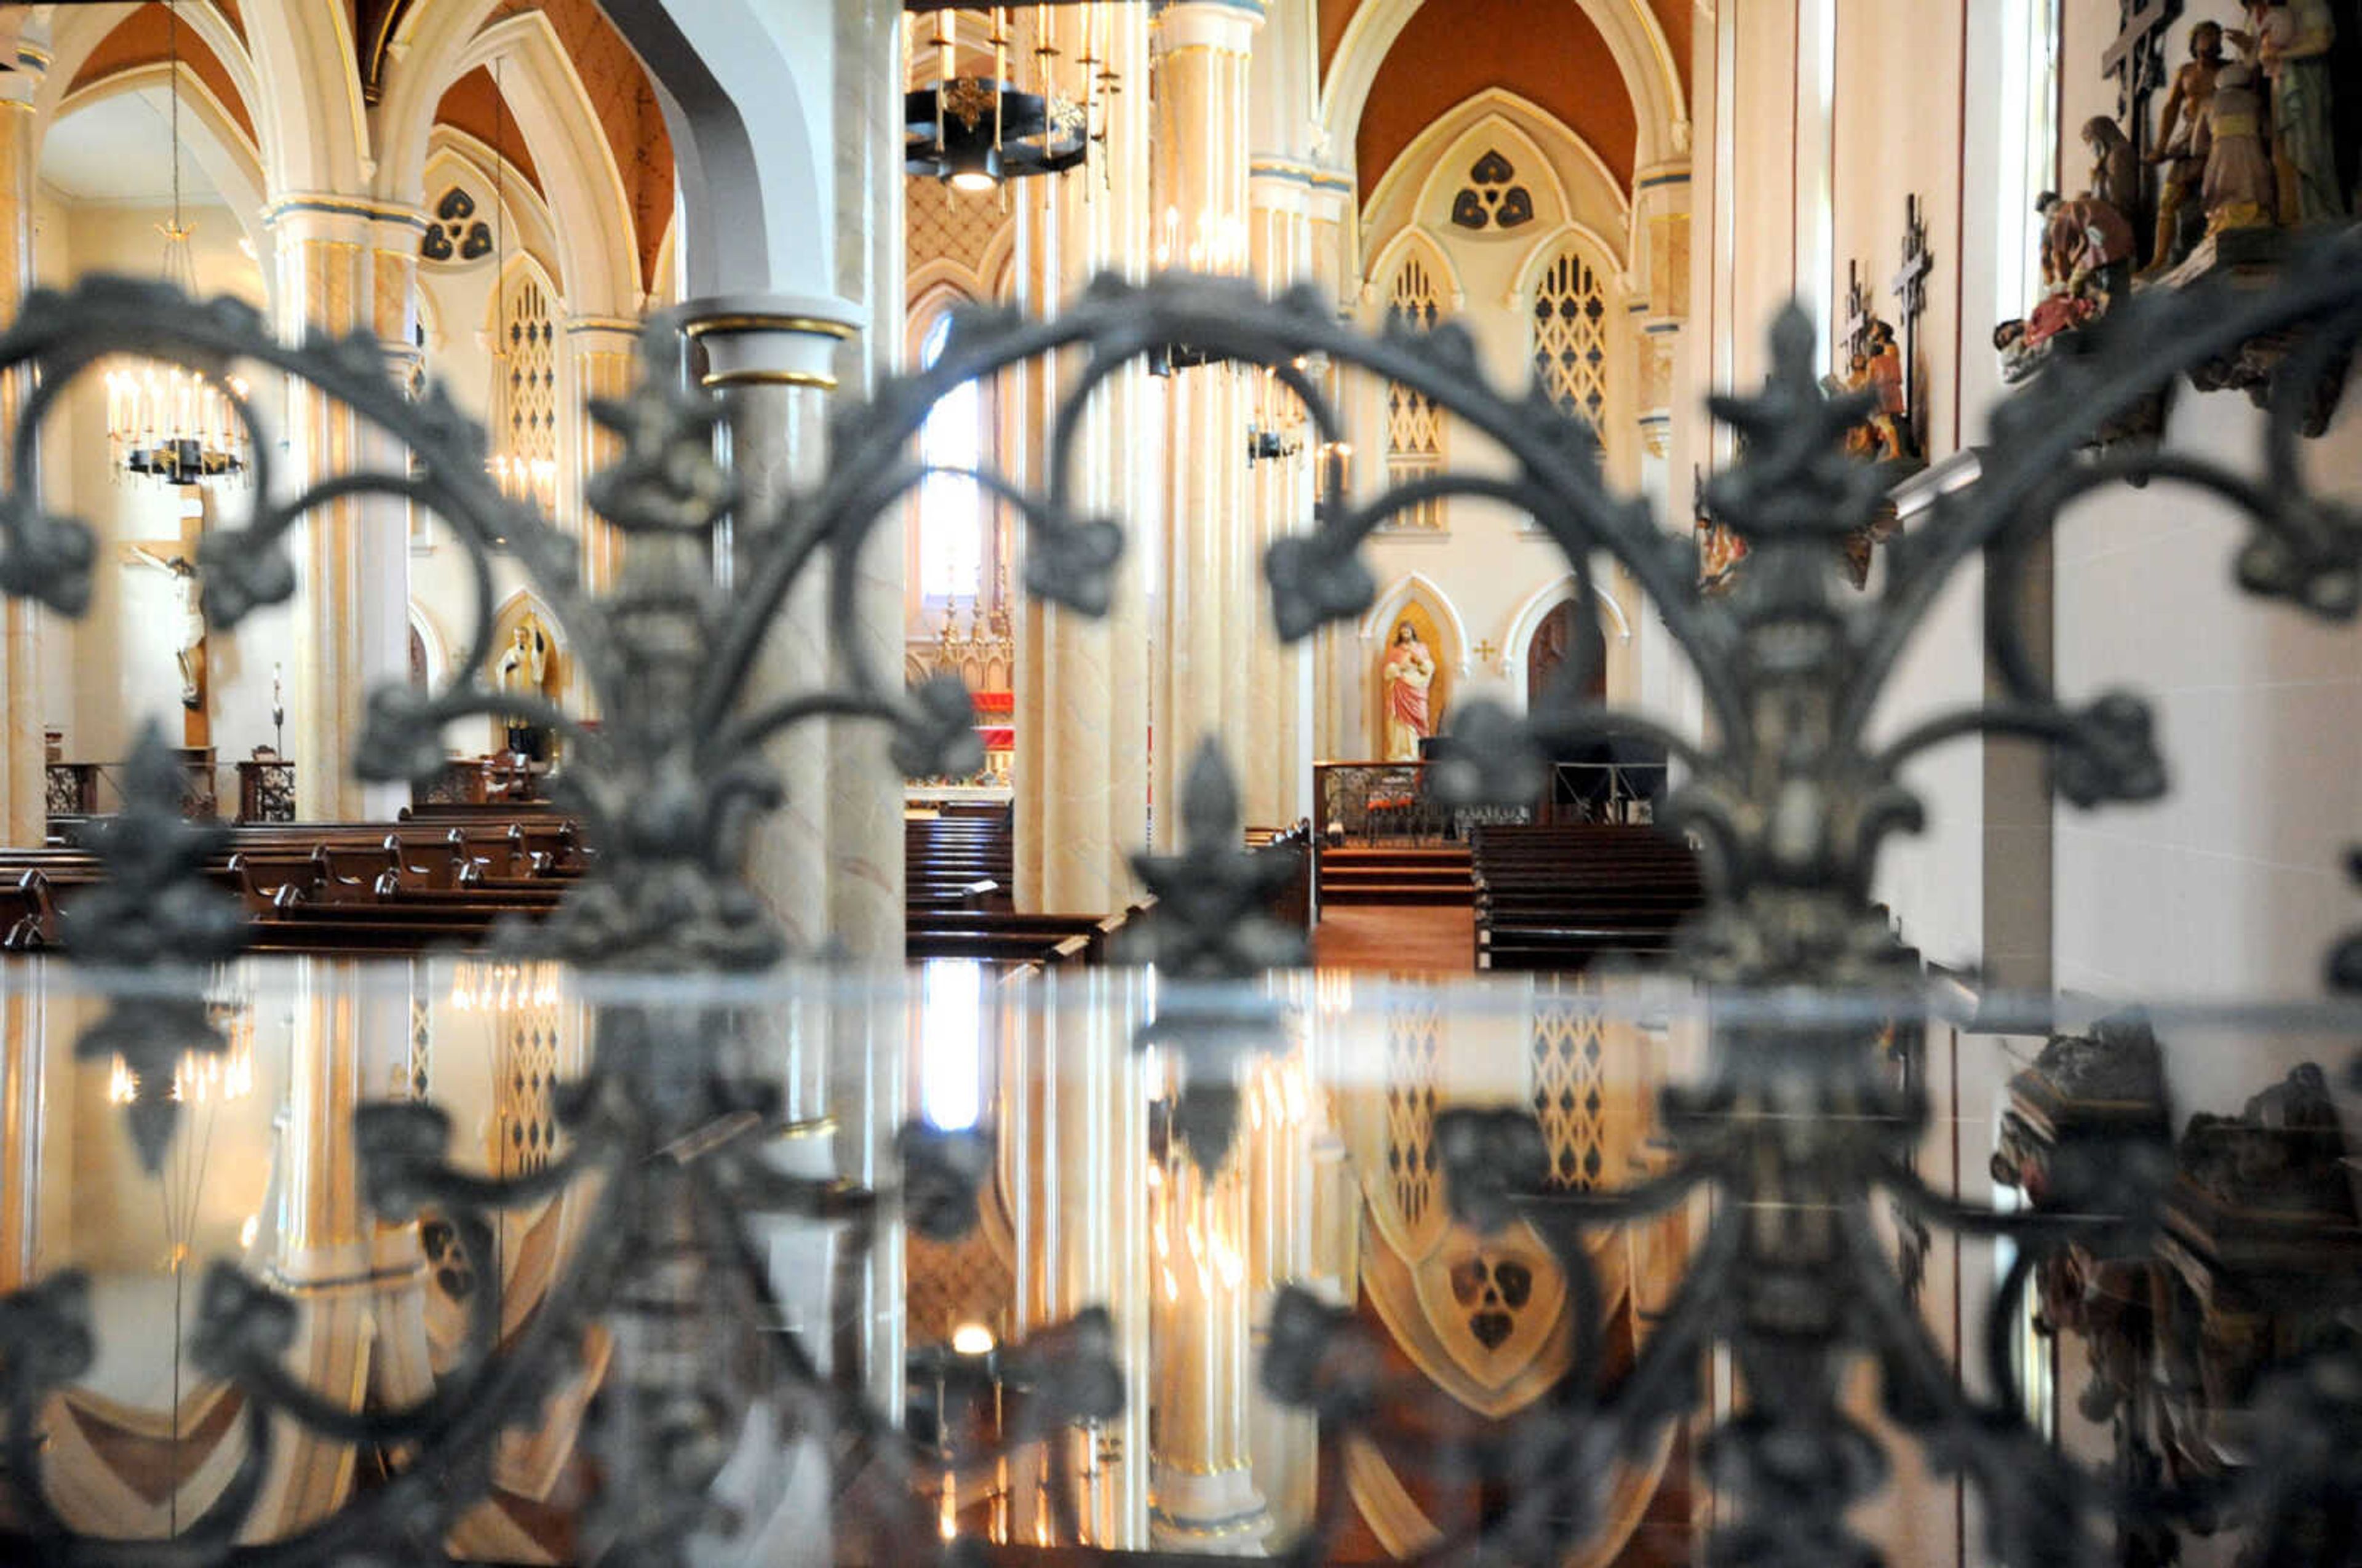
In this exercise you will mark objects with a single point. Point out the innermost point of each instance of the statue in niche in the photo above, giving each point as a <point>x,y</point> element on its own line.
<point>2115,168</point>
<point>1407,673</point>
<point>2240,188</point>
<point>523,670</point>
<point>189,647</point>
<point>2290,41</point>
<point>2181,147</point>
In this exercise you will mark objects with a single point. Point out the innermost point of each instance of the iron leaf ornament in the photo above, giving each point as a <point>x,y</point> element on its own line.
<point>1796,1124</point>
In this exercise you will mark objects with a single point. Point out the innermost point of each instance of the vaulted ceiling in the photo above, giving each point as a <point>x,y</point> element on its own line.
<point>1547,51</point>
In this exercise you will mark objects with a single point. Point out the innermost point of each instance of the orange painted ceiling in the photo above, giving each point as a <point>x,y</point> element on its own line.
<point>143,38</point>
<point>1451,50</point>
<point>473,103</point>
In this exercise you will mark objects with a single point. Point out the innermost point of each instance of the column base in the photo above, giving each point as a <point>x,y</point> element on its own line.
<point>1214,1512</point>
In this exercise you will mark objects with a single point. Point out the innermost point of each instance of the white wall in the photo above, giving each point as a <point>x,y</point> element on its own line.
<point>2233,884</point>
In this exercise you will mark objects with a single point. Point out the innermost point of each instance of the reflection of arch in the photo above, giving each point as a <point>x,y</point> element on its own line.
<point>1643,58</point>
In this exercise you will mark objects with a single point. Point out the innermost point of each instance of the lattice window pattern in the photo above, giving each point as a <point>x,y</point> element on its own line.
<point>1414,421</point>
<point>1414,1069</point>
<point>1570,336</point>
<point>1570,1087</point>
<point>529,421</point>
<point>524,1093</point>
<point>412,1079</point>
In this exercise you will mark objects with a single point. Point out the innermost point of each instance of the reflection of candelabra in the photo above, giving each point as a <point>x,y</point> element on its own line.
<point>503,987</point>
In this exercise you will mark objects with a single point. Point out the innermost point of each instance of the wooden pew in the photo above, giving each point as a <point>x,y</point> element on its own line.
<point>1559,897</point>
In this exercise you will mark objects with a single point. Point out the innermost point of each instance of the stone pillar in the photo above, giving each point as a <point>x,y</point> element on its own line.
<point>345,265</point>
<point>24,796</point>
<point>821,861</point>
<point>1660,306</point>
<point>1083,715</point>
<point>1211,573</point>
<point>602,353</point>
<point>1276,774</point>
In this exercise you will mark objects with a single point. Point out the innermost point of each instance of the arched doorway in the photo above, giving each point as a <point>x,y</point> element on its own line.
<point>1557,639</point>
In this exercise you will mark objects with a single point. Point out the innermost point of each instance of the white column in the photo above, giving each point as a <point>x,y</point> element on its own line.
<point>1275,775</point>
<point>1083,715</point>
<point>771,361</point>
<point>1211,573</point>
<point>602,362</point>
<point>345,265</point>
<point>23,816</point>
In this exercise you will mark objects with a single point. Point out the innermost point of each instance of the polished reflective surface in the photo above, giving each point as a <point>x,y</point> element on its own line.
<point>1077,1317</point>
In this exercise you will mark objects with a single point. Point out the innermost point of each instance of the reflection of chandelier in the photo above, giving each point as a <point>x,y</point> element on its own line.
<point>973,132</point>
<point>503,987</point>
<point>172,424</point>
<point>200,1077</point>
<point>533,479</point>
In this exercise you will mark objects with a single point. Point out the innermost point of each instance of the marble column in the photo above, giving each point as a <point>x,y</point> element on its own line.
<point>345,265</point>
<point>602,352</point>
<point>24,815</point>
<point>821,861</point>
<point>1083,711</point>
<point>1275,775</point>
<point>1211,573</point>
<point>1660,307</point>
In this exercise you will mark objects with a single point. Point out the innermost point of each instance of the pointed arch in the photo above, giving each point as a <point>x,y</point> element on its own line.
<point>460,159</point>
<point>1380,617</point>
<point>219,147</point>
<point>1529,617</point>
<point>78,32</point>
<point>1634,37</point>
<point>308,111</point>
<point>1451,138</point>
<point>1409,244</point>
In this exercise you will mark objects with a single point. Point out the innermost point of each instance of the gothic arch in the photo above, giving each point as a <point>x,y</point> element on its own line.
<point>749,176</point>
<point>78,32</point>
<point>1374,625</point>
<point>531,228</point>
<point>307,107</point>
<point>431,640</point>
<point>1643,58</point>
<point>1586,241</point>
<point>1408,242</point>
<point>1586,192</point>
<point>218,145</point>
<point>597,251</point>
<point>1516,645</point>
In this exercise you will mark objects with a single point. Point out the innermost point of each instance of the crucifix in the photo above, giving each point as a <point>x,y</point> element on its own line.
<point>1858,315</point>
<point>1910,286</point>
<point>174,559</point>
<point>2136,60</point>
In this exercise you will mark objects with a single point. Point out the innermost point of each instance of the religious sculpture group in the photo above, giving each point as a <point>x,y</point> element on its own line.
<point>2244,145</point>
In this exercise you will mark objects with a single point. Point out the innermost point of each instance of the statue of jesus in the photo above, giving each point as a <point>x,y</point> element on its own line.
<point>1408,672</point>
<point>190,645</point>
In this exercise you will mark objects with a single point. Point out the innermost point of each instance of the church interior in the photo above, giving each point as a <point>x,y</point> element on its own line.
<point>868,781</point>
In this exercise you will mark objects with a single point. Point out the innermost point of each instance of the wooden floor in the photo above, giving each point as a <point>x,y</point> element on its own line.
<point>1397,938</point>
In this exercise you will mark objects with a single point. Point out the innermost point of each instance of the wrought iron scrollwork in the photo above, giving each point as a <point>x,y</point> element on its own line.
<point>1797,1121</point>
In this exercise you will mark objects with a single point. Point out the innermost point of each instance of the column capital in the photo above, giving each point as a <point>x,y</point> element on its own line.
<point>329,215</point>
<point>771,339</point>
<point>1226,25</point>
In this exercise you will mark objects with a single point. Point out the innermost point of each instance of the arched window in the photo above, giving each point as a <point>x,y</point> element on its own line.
<point>1571,337</point>
<point>1414,422</point>
<point>528,415</point>
<point>952,513</point>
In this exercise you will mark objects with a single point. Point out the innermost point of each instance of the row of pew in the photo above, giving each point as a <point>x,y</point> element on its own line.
<point>1557,898</point>
<point>436,877</point>
<point>958,870</point>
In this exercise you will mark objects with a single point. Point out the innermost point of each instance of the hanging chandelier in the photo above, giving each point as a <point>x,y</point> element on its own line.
<point>976,132</point>
<point>173,425</point>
